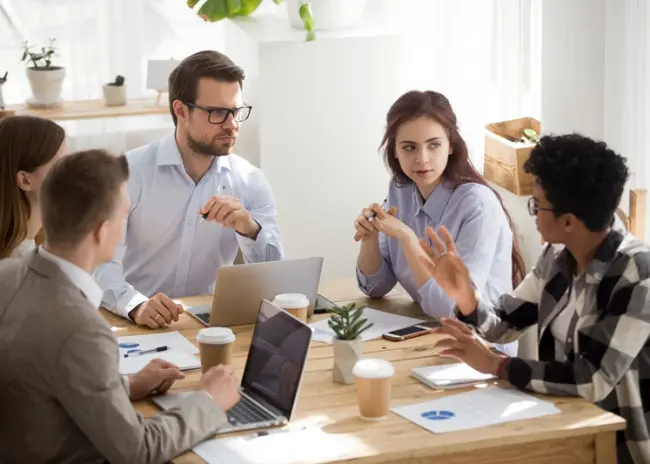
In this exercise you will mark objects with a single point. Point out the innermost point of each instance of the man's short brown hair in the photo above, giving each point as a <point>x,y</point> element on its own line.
<point>79,193</point>
<point>184,79</point>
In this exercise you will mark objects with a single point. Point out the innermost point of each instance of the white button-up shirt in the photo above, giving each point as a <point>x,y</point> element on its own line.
<point>166,248</point>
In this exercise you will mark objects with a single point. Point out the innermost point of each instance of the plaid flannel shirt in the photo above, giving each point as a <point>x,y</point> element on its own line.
<point>605,357</point>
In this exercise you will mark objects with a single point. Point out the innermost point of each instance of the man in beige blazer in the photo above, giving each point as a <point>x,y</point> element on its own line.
<point>62,398</point>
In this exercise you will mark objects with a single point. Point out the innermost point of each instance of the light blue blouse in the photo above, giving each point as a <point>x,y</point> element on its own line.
<point>473,215</point>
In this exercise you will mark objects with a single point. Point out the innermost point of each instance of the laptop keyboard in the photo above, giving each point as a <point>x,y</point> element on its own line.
<point>247,412</point>
<point>205,317</point>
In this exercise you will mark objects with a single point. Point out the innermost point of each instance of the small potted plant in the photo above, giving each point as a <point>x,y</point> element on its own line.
<point>348,325</point>
<point>45,79</point>
<point>115,92</point>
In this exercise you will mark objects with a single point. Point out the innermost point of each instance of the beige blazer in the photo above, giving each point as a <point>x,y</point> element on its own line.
<point>62,398</point>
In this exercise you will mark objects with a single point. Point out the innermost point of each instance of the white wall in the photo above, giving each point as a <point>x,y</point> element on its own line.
<point>595,77</point>
<point>573,67</point>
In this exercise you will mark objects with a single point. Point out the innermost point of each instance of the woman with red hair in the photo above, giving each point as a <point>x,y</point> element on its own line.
<point>433,184</point>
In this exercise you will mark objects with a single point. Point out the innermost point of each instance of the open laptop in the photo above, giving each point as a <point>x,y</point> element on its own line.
<point>273,372</point>
<point>240,289</point>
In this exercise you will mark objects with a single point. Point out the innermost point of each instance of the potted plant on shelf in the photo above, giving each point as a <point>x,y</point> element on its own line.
<point>115,92</point>
<point>44,78</point>
<point>348,325</point>
<point>329,14</point>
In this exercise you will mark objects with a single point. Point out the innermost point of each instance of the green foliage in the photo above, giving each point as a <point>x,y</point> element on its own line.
<point>347,323</point>
<point>41,59</point>
<point>530,135</point>
<point>119,81</point>
<point>216,10</point>
<point>307,21</point>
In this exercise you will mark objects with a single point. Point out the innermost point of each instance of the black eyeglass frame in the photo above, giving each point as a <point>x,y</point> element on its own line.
<point>228,111</point>
<point>534,208</point>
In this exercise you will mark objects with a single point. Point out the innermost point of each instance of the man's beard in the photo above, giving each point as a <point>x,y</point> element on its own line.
<point>210,150</point>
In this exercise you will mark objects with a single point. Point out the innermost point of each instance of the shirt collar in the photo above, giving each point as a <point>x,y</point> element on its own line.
<point>170,155</point>
<point>79,278</point>
<point>435,205</point>
<point>600,262</point>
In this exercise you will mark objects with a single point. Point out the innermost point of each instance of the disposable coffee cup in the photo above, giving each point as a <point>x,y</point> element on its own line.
<point>293,303</point>
<point>215,346</point>
<point>374,387</point>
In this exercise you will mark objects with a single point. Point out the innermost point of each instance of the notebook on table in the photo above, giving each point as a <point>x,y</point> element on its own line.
<point>445,376</point>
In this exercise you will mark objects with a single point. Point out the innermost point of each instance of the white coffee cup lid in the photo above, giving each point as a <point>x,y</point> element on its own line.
<point>291,300</point>
<point>215,335</point>
<point>373,369</point>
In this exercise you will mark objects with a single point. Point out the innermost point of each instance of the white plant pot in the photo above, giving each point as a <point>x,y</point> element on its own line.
<point>346,355</point>
<point>328,14</point>
<point>46,87</point>
<point>114,95</point>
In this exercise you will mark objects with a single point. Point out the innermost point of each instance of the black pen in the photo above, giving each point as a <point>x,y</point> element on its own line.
<point>205,216</point>
<point>152,350</point>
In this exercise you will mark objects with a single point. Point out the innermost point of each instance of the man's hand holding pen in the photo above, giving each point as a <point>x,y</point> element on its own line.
<point>229,212</point>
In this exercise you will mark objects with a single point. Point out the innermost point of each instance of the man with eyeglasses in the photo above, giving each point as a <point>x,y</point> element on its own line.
<point>588,295</point>
<point>194,203</point>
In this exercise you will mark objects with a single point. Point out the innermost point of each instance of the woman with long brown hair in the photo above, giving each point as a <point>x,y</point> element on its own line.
<point>28,147</point>
<point>433,184</point>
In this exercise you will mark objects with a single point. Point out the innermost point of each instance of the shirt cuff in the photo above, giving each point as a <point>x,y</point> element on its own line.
<point>258,247</point>
<point>135,299</point>
<point>370,279</point>
<point>259,232</point>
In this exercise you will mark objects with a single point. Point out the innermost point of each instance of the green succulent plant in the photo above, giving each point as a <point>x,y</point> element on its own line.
<point>216,10</point>
<point>347,323</point>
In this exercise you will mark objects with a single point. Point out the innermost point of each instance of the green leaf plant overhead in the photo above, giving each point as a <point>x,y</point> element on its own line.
<point>216,10</point>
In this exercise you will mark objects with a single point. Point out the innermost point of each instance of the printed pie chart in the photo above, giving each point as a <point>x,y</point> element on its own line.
<point>438,415</point>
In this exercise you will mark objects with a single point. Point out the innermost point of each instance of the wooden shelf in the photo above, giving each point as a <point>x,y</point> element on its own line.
<point>94,109</point>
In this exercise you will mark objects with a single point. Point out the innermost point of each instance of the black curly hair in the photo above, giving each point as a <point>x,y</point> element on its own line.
<point>580,176</point>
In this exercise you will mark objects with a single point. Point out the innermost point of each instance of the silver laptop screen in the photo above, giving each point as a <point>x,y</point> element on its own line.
<point>277,357</point>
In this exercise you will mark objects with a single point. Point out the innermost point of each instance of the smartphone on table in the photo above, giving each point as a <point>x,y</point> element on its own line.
<point>411,331</point>
<point>322,304</point>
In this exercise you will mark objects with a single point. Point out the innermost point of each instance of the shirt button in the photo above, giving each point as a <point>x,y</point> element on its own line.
<point>570,340</point>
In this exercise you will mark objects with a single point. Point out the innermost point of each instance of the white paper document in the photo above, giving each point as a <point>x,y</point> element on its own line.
<point>478,408</point>
<point>449,375</point>
<point>383,322</point>
<point>280,446</point>
<point>183,360</point>
<point>180,351</point>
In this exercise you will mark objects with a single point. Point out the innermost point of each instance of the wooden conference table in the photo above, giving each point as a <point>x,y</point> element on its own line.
<point>582,433</point>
